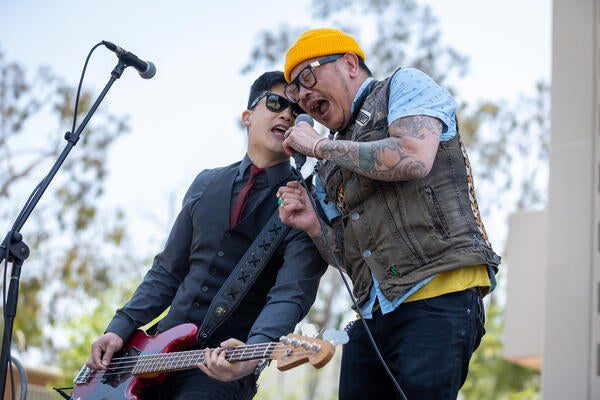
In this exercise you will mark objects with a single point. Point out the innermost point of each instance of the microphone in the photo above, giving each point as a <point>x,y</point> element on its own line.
<point>146,69</point>
<point>305,118</point>
<point>300,158</point>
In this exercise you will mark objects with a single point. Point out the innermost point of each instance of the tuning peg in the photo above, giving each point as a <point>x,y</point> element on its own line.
<point>335,336</point>
<point>309,330</point>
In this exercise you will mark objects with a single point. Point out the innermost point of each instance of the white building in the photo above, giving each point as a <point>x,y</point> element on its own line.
<point>553,290</point>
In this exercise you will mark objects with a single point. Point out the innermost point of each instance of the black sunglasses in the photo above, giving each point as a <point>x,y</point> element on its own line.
<point>276,103</point>
<point>306,78</point>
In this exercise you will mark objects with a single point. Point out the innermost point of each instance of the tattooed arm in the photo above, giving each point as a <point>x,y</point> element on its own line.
<point>331,247</point>
<point>296,210</point>
<point>408,153</point>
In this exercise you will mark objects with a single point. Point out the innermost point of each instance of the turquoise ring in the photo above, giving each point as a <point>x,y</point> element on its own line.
<point>280,201</point>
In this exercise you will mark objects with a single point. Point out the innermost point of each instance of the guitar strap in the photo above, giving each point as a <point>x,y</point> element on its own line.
<point>243,276</point>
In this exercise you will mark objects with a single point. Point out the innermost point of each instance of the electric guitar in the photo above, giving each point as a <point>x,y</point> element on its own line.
<point>145,360</point>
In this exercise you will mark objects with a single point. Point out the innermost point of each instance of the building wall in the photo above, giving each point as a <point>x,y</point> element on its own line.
<point>524,263</point>
<point>571,340</point>
<point>38,379</point>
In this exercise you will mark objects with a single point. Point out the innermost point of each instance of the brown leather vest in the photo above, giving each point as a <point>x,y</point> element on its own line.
<point>404,232</point>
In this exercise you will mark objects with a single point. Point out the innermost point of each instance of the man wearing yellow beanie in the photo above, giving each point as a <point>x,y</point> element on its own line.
<point>402,217</point>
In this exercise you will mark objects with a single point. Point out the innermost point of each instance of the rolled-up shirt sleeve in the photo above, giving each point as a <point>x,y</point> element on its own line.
<point>155,293</point>
<point>412,92</point>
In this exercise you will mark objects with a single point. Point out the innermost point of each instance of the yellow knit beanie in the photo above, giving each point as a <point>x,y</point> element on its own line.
<point>317,43</point>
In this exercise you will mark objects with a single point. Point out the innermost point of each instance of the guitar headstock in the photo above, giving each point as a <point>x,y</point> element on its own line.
<point>293,350</point>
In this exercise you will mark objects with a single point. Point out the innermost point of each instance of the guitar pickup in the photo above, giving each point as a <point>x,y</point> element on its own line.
<point>83,376</point>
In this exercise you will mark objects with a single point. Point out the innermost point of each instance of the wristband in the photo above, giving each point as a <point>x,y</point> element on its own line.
<point>314,148</point>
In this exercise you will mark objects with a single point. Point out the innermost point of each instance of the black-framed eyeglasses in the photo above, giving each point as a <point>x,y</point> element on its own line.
<point>306,78</point>
<point>276,103</point>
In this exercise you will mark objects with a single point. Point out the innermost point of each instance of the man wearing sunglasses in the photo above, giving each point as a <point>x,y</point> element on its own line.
<point>406,225</point>
<point>210,236</point>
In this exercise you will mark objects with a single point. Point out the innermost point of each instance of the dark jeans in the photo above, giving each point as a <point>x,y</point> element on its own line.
<point>194,384</point>
<point>426,344</point>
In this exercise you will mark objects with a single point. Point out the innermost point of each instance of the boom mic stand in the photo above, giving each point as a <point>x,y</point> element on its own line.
<point>15,251</point>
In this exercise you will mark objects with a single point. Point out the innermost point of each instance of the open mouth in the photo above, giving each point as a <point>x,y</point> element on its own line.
<point>319,107</point>
<point>279,130</point>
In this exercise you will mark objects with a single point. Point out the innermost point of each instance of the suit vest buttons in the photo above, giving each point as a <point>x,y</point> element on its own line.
<point>220,311</point>
<point>220,253</point>
<point>355,216</point>
<point>205,289</point>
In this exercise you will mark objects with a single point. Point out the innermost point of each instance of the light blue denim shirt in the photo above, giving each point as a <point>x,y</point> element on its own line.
<point>412,92</point>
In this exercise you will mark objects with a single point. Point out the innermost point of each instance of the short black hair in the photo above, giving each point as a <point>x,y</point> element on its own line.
<point>264,83</point>
<point>364,67</point>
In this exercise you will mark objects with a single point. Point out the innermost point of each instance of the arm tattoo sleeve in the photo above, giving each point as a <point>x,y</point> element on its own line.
<point>335,239</point>
<point>392,158</point>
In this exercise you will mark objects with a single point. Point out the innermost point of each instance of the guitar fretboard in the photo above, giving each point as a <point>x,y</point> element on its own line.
<point>165,362</point>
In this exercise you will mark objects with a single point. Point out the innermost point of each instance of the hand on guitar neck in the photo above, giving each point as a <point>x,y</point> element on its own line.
<point>217,363</point>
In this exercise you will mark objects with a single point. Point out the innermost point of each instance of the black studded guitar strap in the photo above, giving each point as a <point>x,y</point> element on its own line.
<point>243,276</point>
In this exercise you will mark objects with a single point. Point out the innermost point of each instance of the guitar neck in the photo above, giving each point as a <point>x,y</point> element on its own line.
<point>166,362</point>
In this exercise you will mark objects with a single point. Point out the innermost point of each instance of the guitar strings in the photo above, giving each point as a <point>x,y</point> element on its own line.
<point>120,365</point>
<point>114,372</point>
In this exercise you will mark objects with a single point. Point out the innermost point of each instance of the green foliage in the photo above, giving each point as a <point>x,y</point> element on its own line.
<point>490,373</point>
<point>68,264</point>
<point>508,145</point>
<point>406,34</point>
<point>302,383</point>
<point>83,330</point>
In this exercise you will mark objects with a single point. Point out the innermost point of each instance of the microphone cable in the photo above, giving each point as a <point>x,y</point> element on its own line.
<point>347,285</point>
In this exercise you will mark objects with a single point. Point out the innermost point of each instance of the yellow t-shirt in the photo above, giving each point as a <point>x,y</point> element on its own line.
<point>454,281</point>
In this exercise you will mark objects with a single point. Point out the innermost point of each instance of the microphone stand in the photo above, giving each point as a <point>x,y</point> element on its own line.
<point>15,251</point>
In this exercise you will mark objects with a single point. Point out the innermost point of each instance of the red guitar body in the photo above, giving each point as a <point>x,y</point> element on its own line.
<point>124,385</point>
<point>145,360</point>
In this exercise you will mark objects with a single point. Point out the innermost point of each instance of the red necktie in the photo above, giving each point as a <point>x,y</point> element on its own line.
<point>242,198</point>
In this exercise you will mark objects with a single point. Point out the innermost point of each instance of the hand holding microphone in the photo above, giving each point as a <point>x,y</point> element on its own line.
<point>305,118</point>
<point>300,158</point>
<point>302,141</point>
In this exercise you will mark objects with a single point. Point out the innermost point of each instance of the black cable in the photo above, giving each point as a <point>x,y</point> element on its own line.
<point>80,84</point>
<point>27,209</point>
<point>22,379</point>
<point>24,211</point>
<point>339,268</point>
<point>5,316</point>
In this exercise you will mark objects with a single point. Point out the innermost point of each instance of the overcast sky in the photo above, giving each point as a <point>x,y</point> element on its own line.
<point>186,118</point>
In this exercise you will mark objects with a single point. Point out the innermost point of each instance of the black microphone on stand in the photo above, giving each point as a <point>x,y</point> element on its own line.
<point>146,69</point>
<point>300,158</point>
